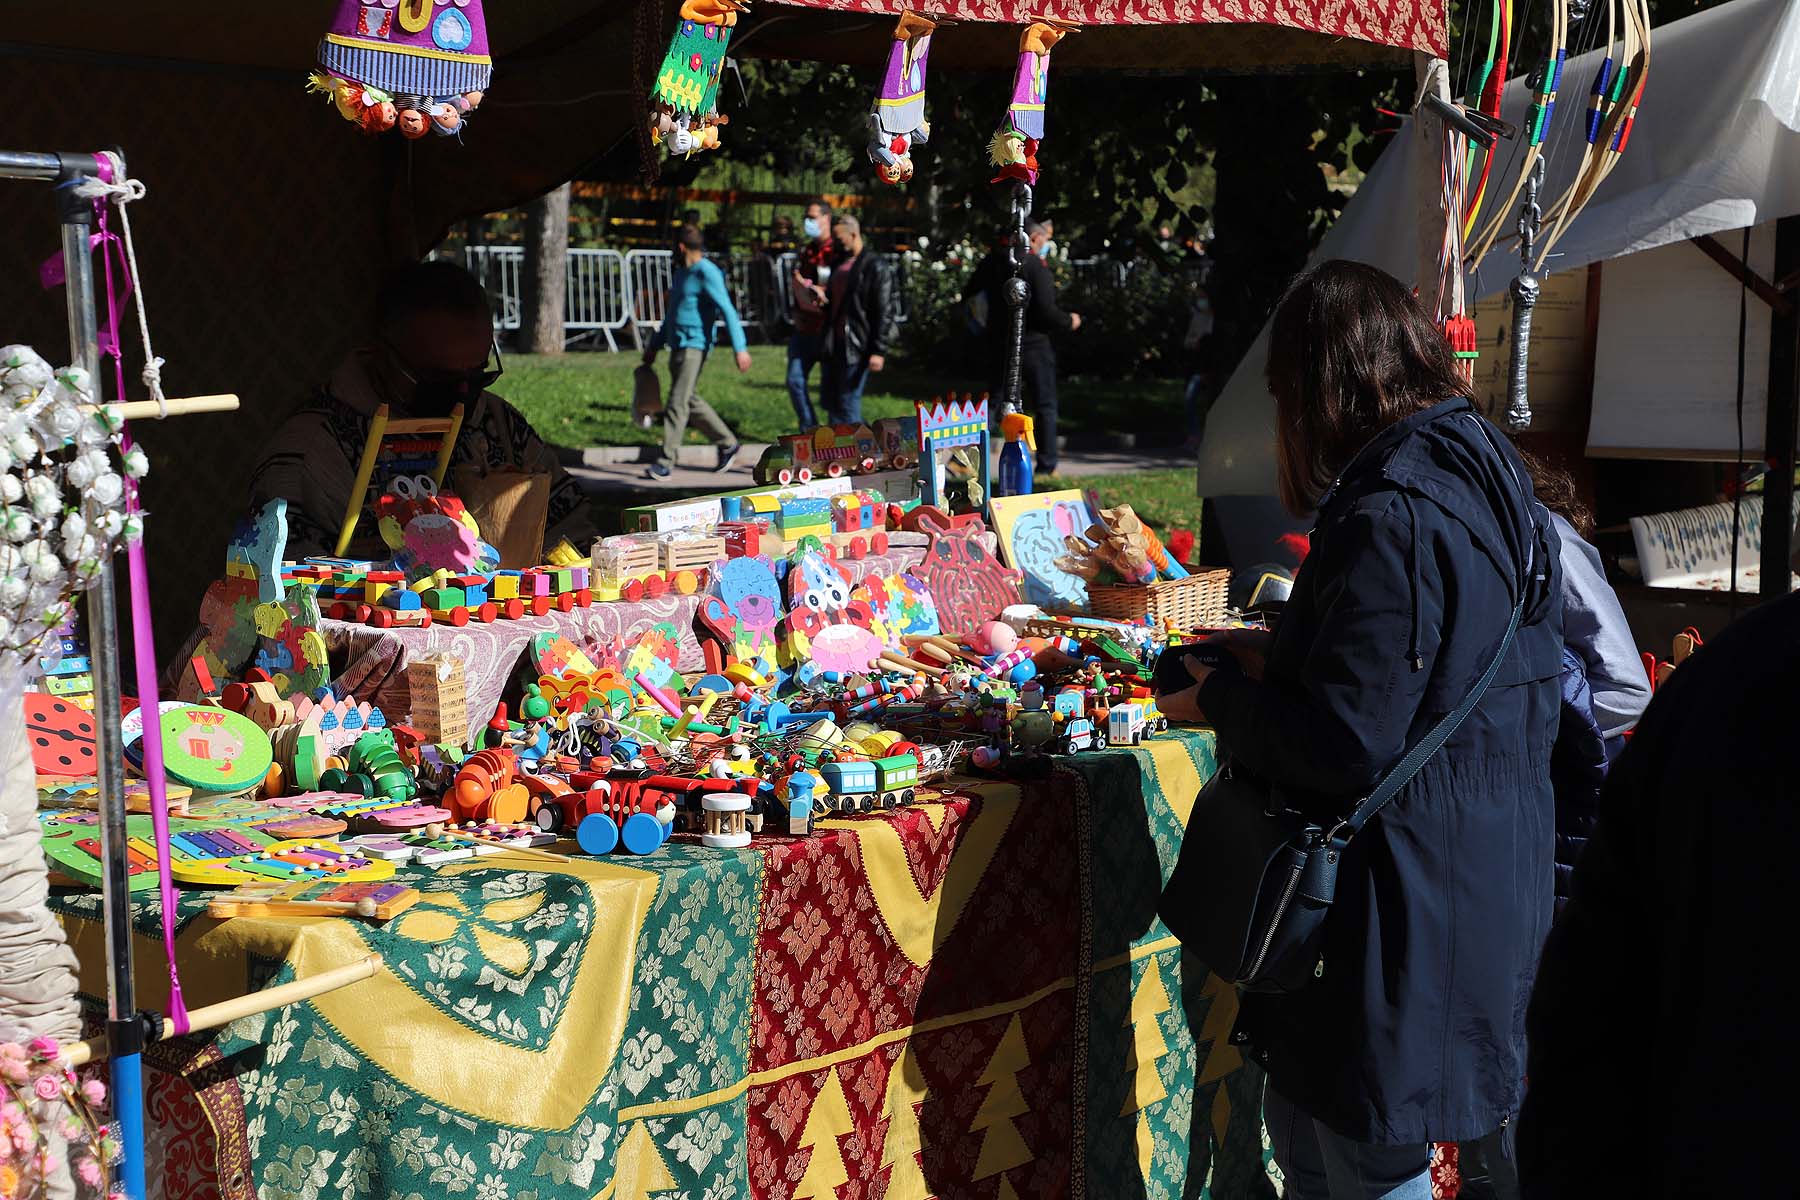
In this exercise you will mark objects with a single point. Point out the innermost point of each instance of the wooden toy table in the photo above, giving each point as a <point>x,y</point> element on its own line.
<point>375,660</point>
<point>970,998</point>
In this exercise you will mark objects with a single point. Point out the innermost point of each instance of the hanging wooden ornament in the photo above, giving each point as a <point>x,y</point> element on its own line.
<point>897,122</point>
<point>1014,146</point>
<point>685,99</point>
<point>418,66</point>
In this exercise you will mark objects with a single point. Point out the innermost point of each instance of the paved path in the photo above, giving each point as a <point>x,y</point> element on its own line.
<point>616,471</point>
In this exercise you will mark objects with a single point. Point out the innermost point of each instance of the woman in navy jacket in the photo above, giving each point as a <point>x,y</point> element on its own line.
<point>1426,533</point>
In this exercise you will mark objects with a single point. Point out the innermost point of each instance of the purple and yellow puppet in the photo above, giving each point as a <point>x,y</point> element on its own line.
<point>414,65</point>
<point>897,122</point>
<point>1014,146</point>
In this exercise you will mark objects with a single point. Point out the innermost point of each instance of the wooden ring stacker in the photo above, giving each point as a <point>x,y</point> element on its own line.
<point>445,831</point>
<point>227,1011</point>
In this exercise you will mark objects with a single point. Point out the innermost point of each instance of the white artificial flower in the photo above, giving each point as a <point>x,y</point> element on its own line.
<point>108,489</point>
<point>137,463</point>
<point>41,560</point>
<point>11,490</point>
<point>15,524</point>
<point>45,497</point>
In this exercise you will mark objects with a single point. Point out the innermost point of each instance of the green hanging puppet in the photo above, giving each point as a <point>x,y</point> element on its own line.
<point>685,115</point>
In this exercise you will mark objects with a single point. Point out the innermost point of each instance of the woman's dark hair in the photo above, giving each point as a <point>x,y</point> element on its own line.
<point>1350,353</point>
<point>1555,490</point>
<point>689,237</point>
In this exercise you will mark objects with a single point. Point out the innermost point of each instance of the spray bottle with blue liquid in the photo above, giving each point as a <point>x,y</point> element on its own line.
<point>1017,455</point>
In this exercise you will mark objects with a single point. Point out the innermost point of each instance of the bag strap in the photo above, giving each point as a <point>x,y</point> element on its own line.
<point>1406,768</point>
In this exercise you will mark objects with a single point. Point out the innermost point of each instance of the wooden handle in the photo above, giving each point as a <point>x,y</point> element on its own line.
<point>227,1011</point>
<point>183,406</point>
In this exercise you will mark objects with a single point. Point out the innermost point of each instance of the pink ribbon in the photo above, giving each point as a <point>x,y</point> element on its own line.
<point>143,641</point>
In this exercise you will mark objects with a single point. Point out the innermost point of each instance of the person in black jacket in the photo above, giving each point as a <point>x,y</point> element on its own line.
<point>1037,359</point>
<point>1412,1031</point>
<point>863,303</point>
<point>1662,1049</point>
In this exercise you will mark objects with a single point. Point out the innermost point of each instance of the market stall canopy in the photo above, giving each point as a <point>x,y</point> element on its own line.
<point>1228,35</point>
<point>1711,151</point>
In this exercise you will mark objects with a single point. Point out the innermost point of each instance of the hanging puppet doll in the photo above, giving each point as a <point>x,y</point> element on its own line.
<point>414,65</point>
<point>897,122</point>
<point>1014,146</point>
<point>685,112</point>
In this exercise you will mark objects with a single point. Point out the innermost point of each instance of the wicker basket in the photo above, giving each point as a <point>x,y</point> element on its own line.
<point>1197,602</point>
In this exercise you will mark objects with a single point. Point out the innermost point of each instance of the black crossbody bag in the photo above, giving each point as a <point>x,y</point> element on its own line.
<point>1255,881</point>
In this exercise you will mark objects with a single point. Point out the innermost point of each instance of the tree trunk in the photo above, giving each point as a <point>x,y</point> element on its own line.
<point>546,273</point>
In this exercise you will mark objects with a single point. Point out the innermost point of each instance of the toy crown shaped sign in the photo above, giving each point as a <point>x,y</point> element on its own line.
<point>951,413</point>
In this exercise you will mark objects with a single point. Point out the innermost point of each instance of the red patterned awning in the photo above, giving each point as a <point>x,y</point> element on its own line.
<point>1402,24</point>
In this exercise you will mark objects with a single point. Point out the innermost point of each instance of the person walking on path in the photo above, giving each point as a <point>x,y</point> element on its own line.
<point>863,304</point>
<point>812,272</point>
<point>1037,357</point>
<point>698,300</point>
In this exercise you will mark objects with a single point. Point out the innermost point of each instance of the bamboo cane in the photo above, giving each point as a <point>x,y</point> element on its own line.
<point>227,1011</point>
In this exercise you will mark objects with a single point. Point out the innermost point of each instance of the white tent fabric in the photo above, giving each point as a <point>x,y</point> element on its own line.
<point>1716,147</point>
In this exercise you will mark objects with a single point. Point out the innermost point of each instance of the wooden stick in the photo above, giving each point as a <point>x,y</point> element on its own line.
<point>183,406</point>
<point>227,1011</point>
<point>437,831</point>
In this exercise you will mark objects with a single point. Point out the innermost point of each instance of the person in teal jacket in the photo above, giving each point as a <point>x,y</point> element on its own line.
<point>698,300</point>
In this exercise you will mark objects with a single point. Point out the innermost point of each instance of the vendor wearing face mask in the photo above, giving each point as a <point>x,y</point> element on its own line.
<point>812,271</point>
<point>432,348</point>
<point>1037,360</point>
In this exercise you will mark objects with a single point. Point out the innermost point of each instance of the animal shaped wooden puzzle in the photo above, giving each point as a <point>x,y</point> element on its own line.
<point>739,614</point>
<point>399,449</point>
<point>214,750</point>
<point>251,618</point>
<point>554,654</point>
<point>828,629</point>
<point>967,582</point>
<point>62,736</point>
<point>654,657</point>
<point>903,603</point>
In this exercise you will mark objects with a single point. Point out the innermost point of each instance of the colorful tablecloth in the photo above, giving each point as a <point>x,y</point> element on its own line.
<point>970,998</point>
<point>374,661</point>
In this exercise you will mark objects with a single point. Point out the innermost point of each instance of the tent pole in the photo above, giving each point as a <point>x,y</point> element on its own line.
<point>124,1030</point>
<point>1428,183</point>
<point>1779,432</point>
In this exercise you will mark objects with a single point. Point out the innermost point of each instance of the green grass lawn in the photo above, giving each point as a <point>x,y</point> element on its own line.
<point>584,399</point>
<point>1164,499</point>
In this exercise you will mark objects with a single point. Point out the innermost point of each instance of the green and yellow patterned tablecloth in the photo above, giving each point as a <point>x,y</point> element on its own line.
<point>970,998</point>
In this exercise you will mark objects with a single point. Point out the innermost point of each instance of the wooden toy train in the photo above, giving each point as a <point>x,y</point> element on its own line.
<point>830,451</point>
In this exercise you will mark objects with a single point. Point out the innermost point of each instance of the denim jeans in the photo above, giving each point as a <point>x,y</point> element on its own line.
<point>840,390</point>
<point>803,352</point>
<point>1320,1165</point>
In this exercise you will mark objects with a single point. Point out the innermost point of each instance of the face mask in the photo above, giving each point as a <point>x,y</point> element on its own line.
<point>812,227</point>
<point>1044,250</point>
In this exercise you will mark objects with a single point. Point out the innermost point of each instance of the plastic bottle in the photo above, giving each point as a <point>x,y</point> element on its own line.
<point>1017,455</point>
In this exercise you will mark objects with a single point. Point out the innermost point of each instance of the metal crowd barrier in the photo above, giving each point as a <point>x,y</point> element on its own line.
<point>610,292</point>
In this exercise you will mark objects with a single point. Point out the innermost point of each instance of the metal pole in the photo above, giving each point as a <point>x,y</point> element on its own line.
<point>1017,293</point>
<point>1779,431</point>
<point>123,1028</point>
